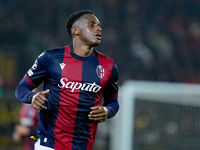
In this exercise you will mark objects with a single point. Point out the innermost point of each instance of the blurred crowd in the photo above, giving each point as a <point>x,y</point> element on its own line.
<point>155,40</point>
<point>166,42</point>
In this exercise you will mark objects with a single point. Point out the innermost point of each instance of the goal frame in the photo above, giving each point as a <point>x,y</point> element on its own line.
<point>122,125</point>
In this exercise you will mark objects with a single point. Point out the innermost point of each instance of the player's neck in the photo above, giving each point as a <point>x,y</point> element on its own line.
<point>82,50</point>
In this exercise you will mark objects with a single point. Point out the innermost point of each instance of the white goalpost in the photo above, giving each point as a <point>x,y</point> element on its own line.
<point>156,115</point>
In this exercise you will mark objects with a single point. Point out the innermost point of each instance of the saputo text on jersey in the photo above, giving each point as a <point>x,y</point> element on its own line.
<point>90,87</point>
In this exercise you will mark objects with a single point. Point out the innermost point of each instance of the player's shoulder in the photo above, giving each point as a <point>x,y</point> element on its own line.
<point>54,52</point>
<point>104,57</point>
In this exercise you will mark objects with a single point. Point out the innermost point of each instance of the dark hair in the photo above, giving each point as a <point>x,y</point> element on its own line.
<point>75,16</point>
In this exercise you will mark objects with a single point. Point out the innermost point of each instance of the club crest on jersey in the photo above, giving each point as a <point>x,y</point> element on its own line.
<point>100,71</point>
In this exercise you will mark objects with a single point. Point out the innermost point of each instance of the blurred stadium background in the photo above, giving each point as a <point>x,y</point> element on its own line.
<point>156,42</point>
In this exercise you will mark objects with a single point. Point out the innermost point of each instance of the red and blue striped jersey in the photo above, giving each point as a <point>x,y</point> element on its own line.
<point>76,84</point>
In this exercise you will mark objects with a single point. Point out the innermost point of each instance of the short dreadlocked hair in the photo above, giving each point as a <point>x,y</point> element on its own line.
<point>75,16</point>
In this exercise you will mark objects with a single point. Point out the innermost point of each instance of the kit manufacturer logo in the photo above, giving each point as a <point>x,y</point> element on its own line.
<point>62,65</point>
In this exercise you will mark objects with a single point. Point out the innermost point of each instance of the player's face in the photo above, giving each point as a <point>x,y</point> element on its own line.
<point>90,30</point>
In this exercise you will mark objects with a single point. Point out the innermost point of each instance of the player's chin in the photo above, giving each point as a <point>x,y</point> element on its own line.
<point>96,43</point>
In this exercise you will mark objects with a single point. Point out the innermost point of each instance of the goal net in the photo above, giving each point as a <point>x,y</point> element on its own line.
<point>157,116</point>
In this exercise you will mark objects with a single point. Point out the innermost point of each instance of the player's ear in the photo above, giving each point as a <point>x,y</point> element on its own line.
<point>75,31</point>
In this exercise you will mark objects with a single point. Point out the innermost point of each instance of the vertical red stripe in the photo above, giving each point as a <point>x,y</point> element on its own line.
<point>68,105</point>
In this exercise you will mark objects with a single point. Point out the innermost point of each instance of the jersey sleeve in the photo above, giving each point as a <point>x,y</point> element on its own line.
<point>110,93</point>
<point>32,79</point>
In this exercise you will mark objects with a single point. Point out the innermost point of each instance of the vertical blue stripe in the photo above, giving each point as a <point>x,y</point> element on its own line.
<point>86,101</point>
<point>55,74</point>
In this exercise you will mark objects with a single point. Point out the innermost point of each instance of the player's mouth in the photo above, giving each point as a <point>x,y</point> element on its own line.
<point>98,35</point>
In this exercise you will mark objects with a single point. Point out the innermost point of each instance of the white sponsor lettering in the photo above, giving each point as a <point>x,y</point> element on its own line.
<point>90,87</point>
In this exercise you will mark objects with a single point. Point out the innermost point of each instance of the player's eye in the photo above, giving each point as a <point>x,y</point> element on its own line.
<point>91,24</point>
